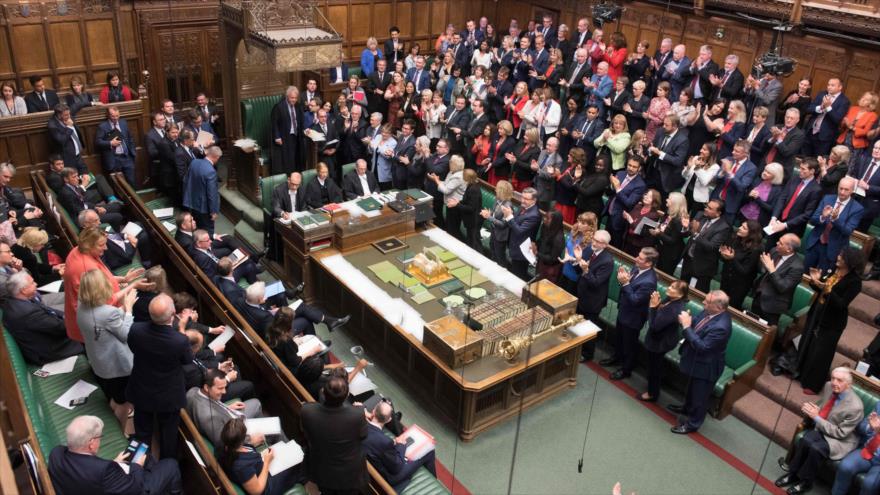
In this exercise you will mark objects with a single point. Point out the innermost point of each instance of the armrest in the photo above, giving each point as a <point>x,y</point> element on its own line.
<point>800,312</point>
<point>744,368</point>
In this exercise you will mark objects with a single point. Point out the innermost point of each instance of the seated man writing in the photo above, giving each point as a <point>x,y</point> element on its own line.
<point>389,455</point>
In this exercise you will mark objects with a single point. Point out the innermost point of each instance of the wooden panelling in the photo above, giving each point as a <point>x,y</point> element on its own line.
<point>69,55</point>
<point>102,45</point>
<point>360,27</point>
<point>403,11</point>
<point>29,46</point>
<point>381,21</point>
<point>438,16</point>
<point>5,57</point>
<point>338,17</point>
<point>420,19</point>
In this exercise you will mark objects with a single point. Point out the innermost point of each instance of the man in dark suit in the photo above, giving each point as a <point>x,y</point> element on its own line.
<point>867,189</point>
<point>40,99</point>
<point>627,190</point>
<point>287,132</point>
<point>153,141</point>
<point>462,52</point>
<point>438,164</point>
<point>573,77</point>
<point>522,226</point>
<point>832,436</point>
<point>539,61</point>
<point>201,194</point>
<point>311,92</point>
<point>327,149</point>
<point>116,145</point>
<point>677,71</point>
<point>668,157</point>
<point>359,182</point>
<point>796,203</point>
<point>253,309</point>
<point>786,142</point>
<point>478,123</point>
<point>702,358</point>
<point>404,154</point>
<point>208,112</point>
<point>662,56</point>
<point>339,74</point>
<point>582,34</point>
<point>699,73</point>
<point>420,77</point>
<point>37,329</point>
<point>734,180</point>
<point>73,199</point>
<point>594,266</point>
<point>826,112</point>
<point>75,468</point>
<point>377,82</point>
<point>184,154</point>
<point>204,360</point>
<point>221,245</point>
<point>585,134</point>
<point>334,433</point>
<point>636,287</point>
<point>288,197</point>
<point>394,46</point>
<point>322,190</point>
<point>350,134</point>
<point>708,232</point>
<point>455,121</point>
<point>66,138</point>
<point>156,385</point>
<point>728,82</point>
<point>764,92</point>
<point>834,220</point>
<point>775,289</point>
<point>388,455</point>
<point>500,89</point>
<point>207,260</point>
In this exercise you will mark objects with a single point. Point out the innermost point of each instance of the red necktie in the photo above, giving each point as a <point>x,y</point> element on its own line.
<point>828,226</point>
<point>791,201</point>
<point>727,127</point>
<point>772,153</point>
<point>727,182</point>
<point>871,447</point>
<point>593,257</point>
<point>826,409</point>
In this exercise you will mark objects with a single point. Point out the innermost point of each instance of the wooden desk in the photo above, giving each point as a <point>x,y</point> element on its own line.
<point>474,397</point>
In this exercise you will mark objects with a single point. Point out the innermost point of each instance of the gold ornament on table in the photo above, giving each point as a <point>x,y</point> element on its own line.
<point>510,349</point>
<point>428,269</point>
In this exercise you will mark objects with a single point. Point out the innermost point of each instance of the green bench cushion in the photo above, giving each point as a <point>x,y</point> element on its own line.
<point>256,121</point>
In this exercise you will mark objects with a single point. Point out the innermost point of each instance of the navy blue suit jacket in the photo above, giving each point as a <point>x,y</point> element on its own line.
<point>108,154</point>
<point>200,192</point>
<point>424,80</point>
<point>803,207</point>
<point>632,305</point>
<point>702,352</point>
<point>830,127</point>
<point>592,287</point>
<point>524,224</point>
<point>233,292</point>
<point>625,200</point>
<point>871,201</point>
<point>74,474</point>
<point>841,229</point>
<point>738,187</point>
<point>157,381</point>
<point>386,455</point>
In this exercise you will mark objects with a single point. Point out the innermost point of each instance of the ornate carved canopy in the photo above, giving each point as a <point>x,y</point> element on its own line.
<point>291,31</point>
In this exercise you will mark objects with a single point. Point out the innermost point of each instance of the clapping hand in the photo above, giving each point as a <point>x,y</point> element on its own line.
<point>623,275</point>
<point>506,211</point>
<point>726,252</point>
<point>810,409</point>
<point>816,277</point>
<point>685,319</point>
<point>485,213</point>
<point>627,217</point>
<point>767,261</point>
<point>655,299</point>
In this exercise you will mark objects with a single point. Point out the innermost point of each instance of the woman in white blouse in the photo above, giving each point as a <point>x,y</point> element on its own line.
<point>699,177</point>
<point>12,104</point>
<point>552,113</point>
<point>476,84</point>
<point>483,57</point>
<point>530,113</point>
<point>432,116</point>
<point>453,188</point>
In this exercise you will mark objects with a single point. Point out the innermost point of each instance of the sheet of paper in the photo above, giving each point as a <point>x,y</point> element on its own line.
<point>862,367</point>
<point>422,443</point>
<point>60,367</point>
<point>164,212</point>
<point>222,339</point>
<point>768,230</point>
<point>131,229</point>
<point>276,287</point>
<point>361,384</point>
<point>265,426</point>
<point>51,287</point>
<point>79,389</point>
<point>195,453</point>
<point>286,455</point>
<point>295,304</point>
<point>423,297</point>
<point>526,249</point>
<point>170,227</point>
<point>316,136</point>
<point>310,345</point>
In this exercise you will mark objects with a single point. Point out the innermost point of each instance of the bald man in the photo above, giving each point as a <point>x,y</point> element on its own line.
<point>156,385</point>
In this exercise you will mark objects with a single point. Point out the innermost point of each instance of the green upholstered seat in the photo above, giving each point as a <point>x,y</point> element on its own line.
<point>256,121</point>
<point>50,420</point>
<point>348,167</point>
<point>356,71</point>
<point>307,176</point>
<point>422,483</point>
<point>267,185</point>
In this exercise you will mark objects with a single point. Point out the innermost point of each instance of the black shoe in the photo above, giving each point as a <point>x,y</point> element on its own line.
<point>291,294</point>
<point>619,375</point>
<point>782,464</point>
<point>609,362</point>
<point>337,322</point>
<point>682,429</point>
<point>785,480</point>
<point>297,291</point>
<point>676,408</point>
<point>398,415</point>
<point>800,487</point>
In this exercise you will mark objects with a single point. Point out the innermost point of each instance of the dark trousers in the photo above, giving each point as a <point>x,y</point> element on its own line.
<point>499,252</point>
<point>703,282</point>
<point>626,347</point>
<point>655,373</point>
<point>520,268</point>
<point>809,452</point>
<point>815,147</point>
<point>305,319</point>
<point>400,480</point>
<point>161,476</point>
<point>453,223</point>
<point>168,423</point>
<point>113,215</point>
<point>204,221</point>
<point>771,318</point>
<point>697,401</point>
<point>225,246</point>
<point>438,204</point>
<point>819,256</point>
<point>247,270</point>
<point>472,237</point>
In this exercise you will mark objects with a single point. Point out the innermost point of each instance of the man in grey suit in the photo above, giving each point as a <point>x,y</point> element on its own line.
<point>832,436</point>
<point>287,197</point>
<point>210,414</point>
<point>764,92</point>
<point>549,163</point>
<point>776,288</point>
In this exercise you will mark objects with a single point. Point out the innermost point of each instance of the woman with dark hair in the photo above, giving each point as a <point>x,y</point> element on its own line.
<point>827,317</point>
<point>481,147</point>
<point>648,207</point>
<point>412,104</point>
<point>451,86</point>
<point>699,175</point>
<point>11,103</point>
<point>731,130</point>
<point>699,134</point>
<point>281,340</point>
<point>662,334</point>
<point>115,91</point>
<point>592,188</point>
<point>79,98</point>
<point>740,262</point>
<point>394,95</point>
<point>567,185</point>
<point>615,55</point>
<point>799,98</point>
<point>550,246</point>
<point>157,283</point>
<point>657,109</point>
<point>469,209</point>
<point>249,468</point>
<point>567,123</point>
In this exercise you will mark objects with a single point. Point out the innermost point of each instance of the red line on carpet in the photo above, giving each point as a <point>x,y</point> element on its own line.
<point>709,445</point>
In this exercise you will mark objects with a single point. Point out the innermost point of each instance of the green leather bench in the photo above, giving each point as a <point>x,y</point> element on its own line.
<point>828,468</point>
<point>50,420</point>
<point>256,122</point>
<point>421,483</point>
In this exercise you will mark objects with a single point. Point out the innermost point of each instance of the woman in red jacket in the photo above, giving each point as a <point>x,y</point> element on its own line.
<point>858,122</point>
<point>615,55</point>
<point>114,91</point>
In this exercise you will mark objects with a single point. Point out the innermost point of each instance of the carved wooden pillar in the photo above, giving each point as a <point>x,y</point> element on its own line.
<point>700,7</point>
<point>797,12</point>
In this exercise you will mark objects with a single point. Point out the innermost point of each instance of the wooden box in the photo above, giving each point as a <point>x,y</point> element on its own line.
<point>556,300</point>
<point>452,341</point>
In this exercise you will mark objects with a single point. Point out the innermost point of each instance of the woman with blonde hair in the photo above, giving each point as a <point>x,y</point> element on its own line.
<point>670,234</point>
<point>415,177</point>
<point>155,283</point>
<point>616,140</point>
<point>371,54</point>
<point>833,168</point>
<point>523,160</point>
<point>452,188</point>
<point>580,235</point>
<point>859,121</point>
<point>502,143</point>
<point>498,228</point>
<point>514,105</point>
<point>433,116</point>
<point>31,250</point>
<point>762,198</point>
<point>731,130</point>
<point>105,329</point>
